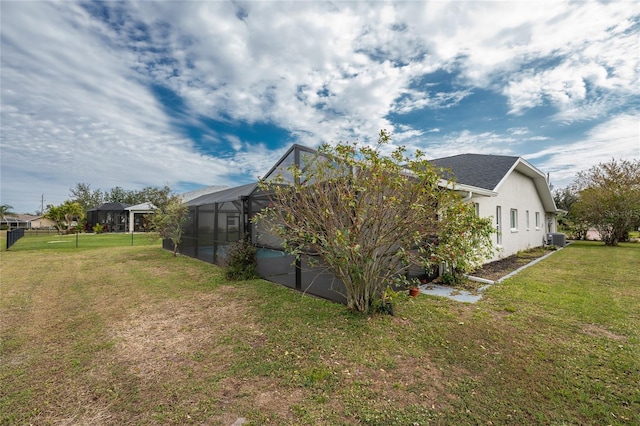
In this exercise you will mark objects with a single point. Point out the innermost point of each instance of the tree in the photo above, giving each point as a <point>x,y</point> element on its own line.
<point>372,217</point>
<point>609,198</point>
<point>120,195</point>
<point>5,210</point>
<point>155,195</point>
<point>566,200</point>
<point>168,218</point>
<point>65,214</point>
<point>87,198</point>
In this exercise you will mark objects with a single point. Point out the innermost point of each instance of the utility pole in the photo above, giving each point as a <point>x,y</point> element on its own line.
<point>42,205</point>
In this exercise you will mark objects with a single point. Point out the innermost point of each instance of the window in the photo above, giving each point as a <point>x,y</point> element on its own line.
<point>527,218</point>
<point>514,219</point>
<point>476,206</point>
<point>498,225</point>
<point>537,221</point>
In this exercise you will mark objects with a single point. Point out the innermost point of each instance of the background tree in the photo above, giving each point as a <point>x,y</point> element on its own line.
<point>87,198</point>
<point>370,217</point>
<point>120,195</point>
<point>6,210</point>
<point>574,226</point>
<point>65,214</point>
<point>155,195</point>
<point>168,218</point>
<point>609,198</point>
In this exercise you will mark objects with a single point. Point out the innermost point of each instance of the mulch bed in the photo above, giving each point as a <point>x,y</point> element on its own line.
<point>499,268</point>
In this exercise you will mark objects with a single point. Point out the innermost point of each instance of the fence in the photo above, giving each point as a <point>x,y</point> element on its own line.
<point>13,236</point>
<point>34,232</point>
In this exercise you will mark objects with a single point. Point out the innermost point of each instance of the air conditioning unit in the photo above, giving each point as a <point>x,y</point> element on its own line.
<point>556,239</point>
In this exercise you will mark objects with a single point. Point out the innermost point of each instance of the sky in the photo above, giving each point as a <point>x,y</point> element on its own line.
<point>194,93</point>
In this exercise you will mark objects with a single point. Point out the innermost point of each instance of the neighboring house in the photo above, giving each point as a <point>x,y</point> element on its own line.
<point>26,221</point>
<point>112,216</point>
<point>137,220</point>
<point>511,191</point>
<point>136,217</point>
<point>40,222</point>
<point>15,221</point>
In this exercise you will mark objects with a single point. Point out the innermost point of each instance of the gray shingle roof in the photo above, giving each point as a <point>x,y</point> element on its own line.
<point>482,171</point>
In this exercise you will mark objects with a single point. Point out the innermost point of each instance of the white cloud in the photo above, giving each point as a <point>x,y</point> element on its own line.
<point>518,131</point>
<point>77,113</point>
<point>468,141</point>
<point>617,138</point>
<point>234,141</point>
<point>77,104</point>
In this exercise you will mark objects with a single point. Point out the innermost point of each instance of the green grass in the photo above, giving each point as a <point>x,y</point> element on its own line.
<point>131,335</point>
<point>67,243</point>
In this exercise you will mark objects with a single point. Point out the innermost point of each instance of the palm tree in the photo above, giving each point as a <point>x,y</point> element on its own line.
<point>5,209</point>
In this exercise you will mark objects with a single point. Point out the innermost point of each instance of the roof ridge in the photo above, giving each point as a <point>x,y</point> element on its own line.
<point>476,154</point>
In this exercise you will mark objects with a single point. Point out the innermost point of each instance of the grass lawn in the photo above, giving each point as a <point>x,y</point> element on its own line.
<point>132,335</point>
<point>67,243</point>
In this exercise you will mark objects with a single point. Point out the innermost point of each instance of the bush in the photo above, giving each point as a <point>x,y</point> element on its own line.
<point>98,229</point>
<point>241,263</point>
<point>448,278</point>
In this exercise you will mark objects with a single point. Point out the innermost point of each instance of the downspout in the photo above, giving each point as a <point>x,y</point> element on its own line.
<point>468,197</point>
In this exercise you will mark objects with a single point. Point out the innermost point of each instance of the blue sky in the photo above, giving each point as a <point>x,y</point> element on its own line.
<point>192,94</point>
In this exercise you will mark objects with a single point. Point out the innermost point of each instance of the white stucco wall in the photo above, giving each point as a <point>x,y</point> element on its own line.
<point>144,208</point>
<point>516,192</point>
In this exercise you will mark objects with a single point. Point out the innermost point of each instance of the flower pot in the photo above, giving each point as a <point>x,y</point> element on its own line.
<point>414,291</point>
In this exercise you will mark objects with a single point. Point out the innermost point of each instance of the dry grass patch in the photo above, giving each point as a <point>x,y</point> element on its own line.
<point>599,331</point>
<point>158,339</point>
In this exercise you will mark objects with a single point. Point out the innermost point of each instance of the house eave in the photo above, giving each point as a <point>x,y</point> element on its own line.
<point>454,186</point>
<point>539,180</point>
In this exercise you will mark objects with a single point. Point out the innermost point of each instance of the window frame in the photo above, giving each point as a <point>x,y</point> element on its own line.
<point>513,220</point>
<point>499,225</point>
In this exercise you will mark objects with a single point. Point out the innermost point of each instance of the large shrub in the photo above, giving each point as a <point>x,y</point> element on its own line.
<point>372,213</point>
<point>241,263</point>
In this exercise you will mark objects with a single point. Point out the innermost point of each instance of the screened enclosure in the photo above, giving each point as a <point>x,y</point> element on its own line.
<point>221,218</point>
<point>215,220</point>
<point>112,216</point>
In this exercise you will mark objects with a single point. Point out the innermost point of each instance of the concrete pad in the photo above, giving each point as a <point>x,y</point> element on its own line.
<point>465,296</point>
<point>449,292</point>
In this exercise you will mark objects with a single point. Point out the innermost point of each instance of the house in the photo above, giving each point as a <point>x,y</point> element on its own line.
<point>136,217</point>
<point>40,222</point>
<point>26,221</point>
<point>137,220</point>
<point>511,191</point>
<point>112,216</point>
<point>15,221</point>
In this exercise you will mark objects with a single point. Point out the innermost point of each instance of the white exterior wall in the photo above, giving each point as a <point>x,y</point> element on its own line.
<point>516,192</point>
<point>132,214</point>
